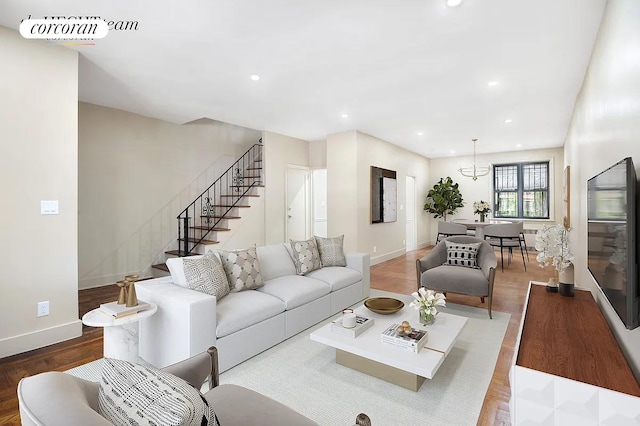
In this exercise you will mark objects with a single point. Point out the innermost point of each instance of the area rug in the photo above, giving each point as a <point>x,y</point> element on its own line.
<point>304,376</point>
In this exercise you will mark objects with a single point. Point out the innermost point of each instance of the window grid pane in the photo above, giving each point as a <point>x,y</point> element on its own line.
<point>506,178</point>
<point>521,190</point>
<point>506,204</point>
<point>534,176</point>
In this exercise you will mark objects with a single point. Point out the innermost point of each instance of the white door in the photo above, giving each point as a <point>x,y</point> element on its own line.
<point>411,232</point>
<point>298,203</point>
<point>319,184</point>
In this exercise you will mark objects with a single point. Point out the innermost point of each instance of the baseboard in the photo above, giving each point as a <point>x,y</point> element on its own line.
<point>387,256</point>
<point>108,279</point>
<point>40,338</point>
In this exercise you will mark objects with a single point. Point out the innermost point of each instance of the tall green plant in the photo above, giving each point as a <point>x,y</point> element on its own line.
<point>444,198</point>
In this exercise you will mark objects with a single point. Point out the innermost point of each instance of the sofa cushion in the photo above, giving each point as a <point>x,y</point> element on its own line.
<point>456,279</point>
<point>133,394</point>
<point>242,309</point>
<point>331,251</point>
<point>207,275</point>
<point>336,276</point>
<point>459,254</point>
<point>295,290</point>
<point>275,261</point>
<point>176,269</point>
<point>242,268</point>
<point>305,256</point>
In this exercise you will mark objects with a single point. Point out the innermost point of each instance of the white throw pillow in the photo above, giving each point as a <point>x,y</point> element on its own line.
<point>305,256</point>
<point>132,394</point>
<point>207,275</point>
<point>242,269</point>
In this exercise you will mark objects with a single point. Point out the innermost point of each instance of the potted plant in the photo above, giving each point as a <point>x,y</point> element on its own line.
<point>425,302</point>
<point>482,208</point>
<point>443,199</point>
<point>552,243</point>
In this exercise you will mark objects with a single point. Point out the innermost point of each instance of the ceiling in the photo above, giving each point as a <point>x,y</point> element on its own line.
<point>397,68</point>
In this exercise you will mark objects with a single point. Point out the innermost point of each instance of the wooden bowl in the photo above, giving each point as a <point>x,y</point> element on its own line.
<point>384,305</point>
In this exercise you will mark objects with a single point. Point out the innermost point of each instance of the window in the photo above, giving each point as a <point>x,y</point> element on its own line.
<point>521,190</point>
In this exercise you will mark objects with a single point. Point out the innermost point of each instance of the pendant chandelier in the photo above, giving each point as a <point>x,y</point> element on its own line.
<point>476,171</point>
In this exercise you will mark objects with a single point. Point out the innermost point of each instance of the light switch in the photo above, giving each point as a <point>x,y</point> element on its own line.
<point>49,207</point>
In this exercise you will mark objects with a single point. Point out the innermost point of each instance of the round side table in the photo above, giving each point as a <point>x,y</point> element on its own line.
<point>120,335</point>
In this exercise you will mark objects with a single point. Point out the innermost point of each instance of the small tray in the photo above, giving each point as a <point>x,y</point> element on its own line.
<point>384,305</point>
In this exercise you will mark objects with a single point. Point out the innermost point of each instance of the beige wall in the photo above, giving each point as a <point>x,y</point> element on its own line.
<point>136,174</point>
<point>38,161</point>
<point>605,128</point>
<point>350,156</point>
<point>482,188</point>
<point>279,151</point>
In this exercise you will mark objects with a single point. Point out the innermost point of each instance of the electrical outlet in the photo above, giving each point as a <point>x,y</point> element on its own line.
<point>404,242</point>
<point>375,249</point>
<point>43,309</point>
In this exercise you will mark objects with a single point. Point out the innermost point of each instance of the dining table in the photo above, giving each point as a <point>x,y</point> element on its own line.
<point>479,226</point>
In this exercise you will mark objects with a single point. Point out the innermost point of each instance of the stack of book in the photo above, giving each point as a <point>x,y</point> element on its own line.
<point>362,323</point>
<point>119,311</point>
<point>410,342</point>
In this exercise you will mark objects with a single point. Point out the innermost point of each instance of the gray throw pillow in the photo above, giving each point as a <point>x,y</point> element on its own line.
<point>462,254</point>
<point>242,269</point>
<point>207,275</point>
<point>331,251</point>
<point>305,256</point>
<point>132,394</point>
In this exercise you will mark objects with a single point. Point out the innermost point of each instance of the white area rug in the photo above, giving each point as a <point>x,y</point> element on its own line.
<point>304,376</point>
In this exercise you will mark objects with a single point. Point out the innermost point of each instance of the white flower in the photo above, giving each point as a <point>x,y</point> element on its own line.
<point>552,243</point>
<point>427,300</point>
<point>481,207</point>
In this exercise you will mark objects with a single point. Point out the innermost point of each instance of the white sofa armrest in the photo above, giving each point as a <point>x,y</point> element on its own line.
<point>361,263</point>
<point>183,326</point>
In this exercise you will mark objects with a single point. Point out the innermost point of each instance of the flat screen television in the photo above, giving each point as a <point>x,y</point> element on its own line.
<point>611,247</point>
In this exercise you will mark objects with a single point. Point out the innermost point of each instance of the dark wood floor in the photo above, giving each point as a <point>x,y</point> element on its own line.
<point>396,275</point>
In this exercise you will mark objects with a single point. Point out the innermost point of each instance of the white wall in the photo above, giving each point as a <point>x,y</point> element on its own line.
<point>279,151</point>
<point>136,174</point>
<point>604,129</point>
<point>38,161</point>
<point>482,188</point>
<point>350,156</point>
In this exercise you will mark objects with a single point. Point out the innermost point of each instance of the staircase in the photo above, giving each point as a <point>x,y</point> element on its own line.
<point>201,221</point>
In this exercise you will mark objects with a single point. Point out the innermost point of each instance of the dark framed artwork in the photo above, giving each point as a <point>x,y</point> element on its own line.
<point>384,195</point>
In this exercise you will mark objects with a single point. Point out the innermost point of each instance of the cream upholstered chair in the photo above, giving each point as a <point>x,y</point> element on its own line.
<point>505,235</point>
<point>448,229</point>
<point>56,398</point>
<point>433,272</point>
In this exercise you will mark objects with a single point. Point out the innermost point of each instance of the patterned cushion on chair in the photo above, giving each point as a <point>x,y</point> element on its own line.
<point>242,269</point>
<point>305,256</point>
<point>331,251</point>
<point>132,394</point>
<point>207,275</point>
<point>462,254</point>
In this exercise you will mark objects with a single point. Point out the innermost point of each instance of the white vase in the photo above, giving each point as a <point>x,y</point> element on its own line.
<point>565,287</point>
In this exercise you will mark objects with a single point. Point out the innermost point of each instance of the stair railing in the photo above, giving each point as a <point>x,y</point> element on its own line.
<point>216,202</point>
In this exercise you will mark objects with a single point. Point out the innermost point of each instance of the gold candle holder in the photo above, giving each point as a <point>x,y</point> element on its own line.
<point>132,298</point>
<point>122,297</point>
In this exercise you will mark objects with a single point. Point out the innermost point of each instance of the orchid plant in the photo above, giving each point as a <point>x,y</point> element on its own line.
<point>552,243</point>
<point>426,301</point>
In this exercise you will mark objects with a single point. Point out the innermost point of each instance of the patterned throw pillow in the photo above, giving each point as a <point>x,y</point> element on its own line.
<point>242,269</point>
<point>207,275</point>
<point>331,251</point>
<point>305,256</point>
<point>132,394</point>
<point>462,254</point>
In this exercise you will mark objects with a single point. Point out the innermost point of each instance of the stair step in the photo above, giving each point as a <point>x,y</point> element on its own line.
<point>240,196</point>
<point>176,253</point>
<point>161,266</point>
<point>247,186</point>
<point>206,228</point>
<point>205,242</point>
<point>220,217</point>
<point>254,168</point>
<point>224,205</point>
<point>251,177</point>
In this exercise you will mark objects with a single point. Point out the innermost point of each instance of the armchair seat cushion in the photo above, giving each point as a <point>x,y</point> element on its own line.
<point>295,290</point>
<point>336,276</point>
<point>243,309</point>
<point>456,279</point>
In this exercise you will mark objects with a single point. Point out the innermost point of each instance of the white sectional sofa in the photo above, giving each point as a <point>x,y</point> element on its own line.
<point>245,323</point>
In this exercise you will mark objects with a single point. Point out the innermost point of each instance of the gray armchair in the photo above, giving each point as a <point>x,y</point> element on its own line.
<point>433,273</point>
<point>56,398</point>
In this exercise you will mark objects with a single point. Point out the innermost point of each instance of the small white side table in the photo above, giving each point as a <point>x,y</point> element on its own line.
<point>120,335</point>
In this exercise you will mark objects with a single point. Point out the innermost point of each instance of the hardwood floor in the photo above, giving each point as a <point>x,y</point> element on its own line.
<point>397,275</point>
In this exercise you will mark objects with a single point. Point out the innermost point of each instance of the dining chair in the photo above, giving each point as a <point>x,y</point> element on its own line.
<point>449,229</point>
<point>471,229</point>
<point>505,235</point>
<point>523,242</point>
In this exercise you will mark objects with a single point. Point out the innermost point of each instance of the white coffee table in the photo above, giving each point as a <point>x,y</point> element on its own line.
<point>367,354</point>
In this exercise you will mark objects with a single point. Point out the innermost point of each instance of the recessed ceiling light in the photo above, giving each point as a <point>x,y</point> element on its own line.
<point>452,151</point>
<point>420,133</point>
<point>492,83</point>
<point>518,145</point>
<point>255,77</point>
<point>345,115</point>
<point>507,121</point>
<point>454,3</point>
